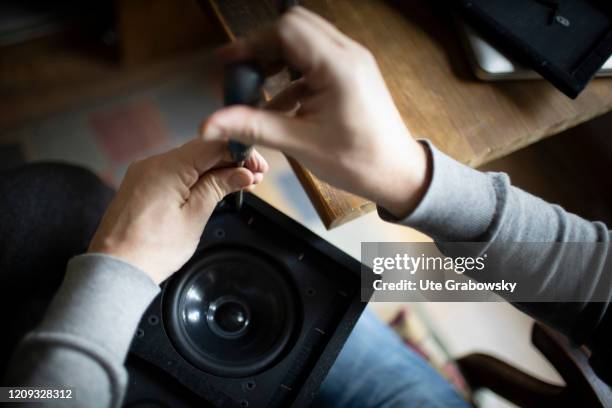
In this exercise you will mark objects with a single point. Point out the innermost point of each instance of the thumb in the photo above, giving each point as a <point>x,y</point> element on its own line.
<point>257,127</point>
<point>216,184</point>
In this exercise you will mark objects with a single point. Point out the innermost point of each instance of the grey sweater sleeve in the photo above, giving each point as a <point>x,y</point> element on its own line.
<point>85,335</point>
<point>463,204</point>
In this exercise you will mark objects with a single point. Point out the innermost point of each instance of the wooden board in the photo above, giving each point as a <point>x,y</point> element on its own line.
<point>423,63</point>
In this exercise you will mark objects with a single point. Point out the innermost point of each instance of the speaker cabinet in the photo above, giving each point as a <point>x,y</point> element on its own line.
<point>255,319</point>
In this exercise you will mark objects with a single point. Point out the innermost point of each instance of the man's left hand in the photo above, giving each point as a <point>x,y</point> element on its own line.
<point>158,215</point>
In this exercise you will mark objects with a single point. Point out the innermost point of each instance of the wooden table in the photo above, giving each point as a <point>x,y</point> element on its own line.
<point>423,64</point>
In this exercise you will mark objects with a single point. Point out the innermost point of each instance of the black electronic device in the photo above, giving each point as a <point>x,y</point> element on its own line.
<point>565,41</point>
<point>255,319</point>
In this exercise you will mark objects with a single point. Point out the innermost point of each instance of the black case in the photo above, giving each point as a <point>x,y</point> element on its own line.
<point>565,41</point>
<point>328,287</point>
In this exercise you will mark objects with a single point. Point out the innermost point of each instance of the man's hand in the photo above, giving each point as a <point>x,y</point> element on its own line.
<point>158,215</point>
<point>339,120</point>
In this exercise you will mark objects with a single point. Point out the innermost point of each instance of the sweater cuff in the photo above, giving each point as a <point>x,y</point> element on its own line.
<point>101,301</point>
<point>459,204</point>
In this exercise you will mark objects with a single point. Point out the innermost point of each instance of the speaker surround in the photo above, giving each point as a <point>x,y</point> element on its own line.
<point>231,312</point>
<point>255,319</point>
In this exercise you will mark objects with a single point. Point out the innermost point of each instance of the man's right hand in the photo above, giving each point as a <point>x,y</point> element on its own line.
<point>338,120</point>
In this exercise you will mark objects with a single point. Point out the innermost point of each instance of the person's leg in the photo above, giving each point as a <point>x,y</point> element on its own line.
<point>48,213</point>
<point>376,369</point>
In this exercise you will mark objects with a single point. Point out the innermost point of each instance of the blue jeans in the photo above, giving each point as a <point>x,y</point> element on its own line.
<point>376,369</point>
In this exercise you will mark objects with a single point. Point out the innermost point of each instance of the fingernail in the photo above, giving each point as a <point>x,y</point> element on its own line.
<point>212,132</point>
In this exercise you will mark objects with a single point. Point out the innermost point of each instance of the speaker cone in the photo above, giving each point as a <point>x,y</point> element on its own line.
<point>230,313</point>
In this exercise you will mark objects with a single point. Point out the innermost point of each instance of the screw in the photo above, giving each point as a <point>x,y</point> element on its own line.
<point>563,21</point>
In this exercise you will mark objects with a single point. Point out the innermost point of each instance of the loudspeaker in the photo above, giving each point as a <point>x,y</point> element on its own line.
<point>255,319</point>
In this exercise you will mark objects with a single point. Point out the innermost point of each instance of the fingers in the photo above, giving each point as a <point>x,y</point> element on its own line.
<point>201,155</point>
<point>300,39</point>
<point>205,155</point>
<point>256,163</point>
<point>257,127</point>
<point>257,178</point>
<point>216,184</point>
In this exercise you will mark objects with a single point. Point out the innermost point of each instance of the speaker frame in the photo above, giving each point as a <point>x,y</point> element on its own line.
<point>312,352</point>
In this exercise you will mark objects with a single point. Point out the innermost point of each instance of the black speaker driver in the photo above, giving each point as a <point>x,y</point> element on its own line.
<point>231,312</point>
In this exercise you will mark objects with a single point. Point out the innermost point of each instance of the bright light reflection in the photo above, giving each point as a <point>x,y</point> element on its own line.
<point>193,316</point>
<point>192,294</point>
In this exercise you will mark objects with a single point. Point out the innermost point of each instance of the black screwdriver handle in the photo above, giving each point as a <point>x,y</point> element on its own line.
<point>241,86</point>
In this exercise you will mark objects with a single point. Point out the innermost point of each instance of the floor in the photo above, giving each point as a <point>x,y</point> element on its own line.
<point>108,135</point>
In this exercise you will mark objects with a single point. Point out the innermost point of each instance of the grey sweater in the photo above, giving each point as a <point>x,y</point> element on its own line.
<point>84,338</point>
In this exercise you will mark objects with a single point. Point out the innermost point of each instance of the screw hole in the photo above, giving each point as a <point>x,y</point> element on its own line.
<point>219,233</point>
<point>244,403</point>
<point>140,333</point>
<point>311,292</point>
<point>153,320</point>
<point>250,385</point>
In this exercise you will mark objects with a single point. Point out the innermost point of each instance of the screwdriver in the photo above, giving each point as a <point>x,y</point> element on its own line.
<point>241,86</point>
